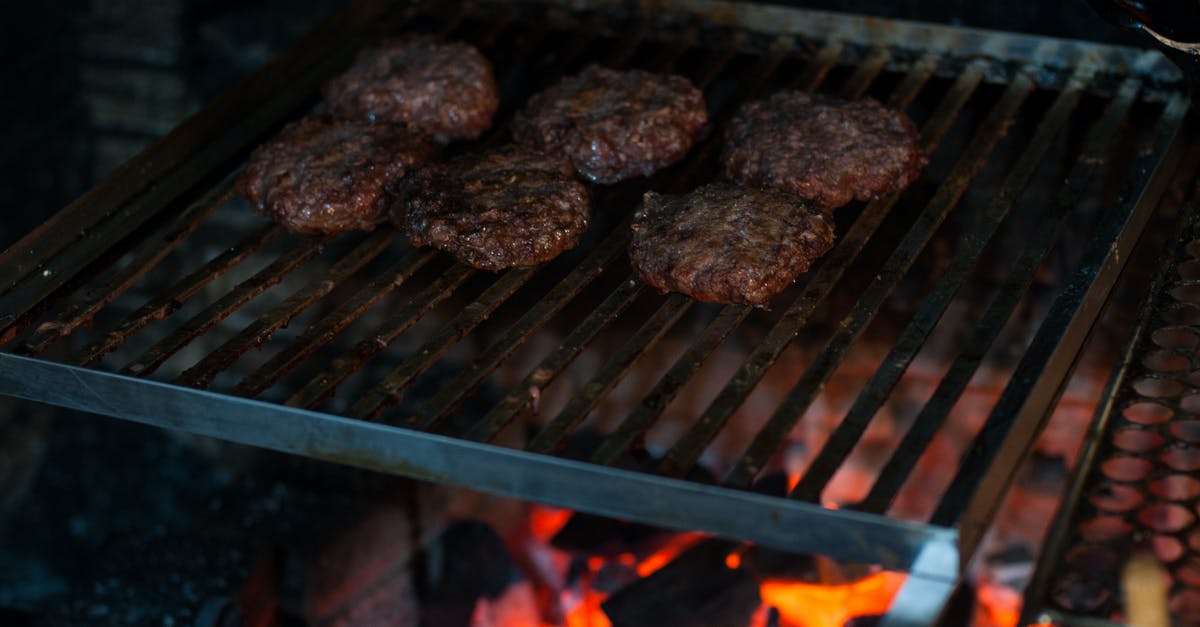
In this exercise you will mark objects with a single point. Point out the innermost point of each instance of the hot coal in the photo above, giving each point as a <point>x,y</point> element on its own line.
<point>696,589</point>
<point>466,563</point>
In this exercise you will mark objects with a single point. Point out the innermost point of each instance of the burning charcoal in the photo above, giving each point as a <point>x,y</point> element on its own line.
<point>695,590</point>
<point>774,484</point>
<point>466,563</point>
<point>363,574</point>
<point>613,576</point>
<point>596,535</point>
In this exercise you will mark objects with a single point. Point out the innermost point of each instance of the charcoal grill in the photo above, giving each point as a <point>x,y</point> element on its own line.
<point>219,348</point>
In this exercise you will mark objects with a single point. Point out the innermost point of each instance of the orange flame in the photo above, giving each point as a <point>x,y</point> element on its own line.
<point>588,612</point>
<point>799,604</point>
<point>544,521</point>
<point>815,605</point>
<point>999,606</point>
<point>676,545</point>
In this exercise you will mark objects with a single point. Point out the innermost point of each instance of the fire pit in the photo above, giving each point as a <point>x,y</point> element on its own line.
<point>878,415</point>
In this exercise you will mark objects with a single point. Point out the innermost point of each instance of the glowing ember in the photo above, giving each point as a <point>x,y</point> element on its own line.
<point>544,521</point>
<point>678,544</point>
<point>587,612</point>
<point>516,608</point>
<point>814,605</point>
<point>999,606</point>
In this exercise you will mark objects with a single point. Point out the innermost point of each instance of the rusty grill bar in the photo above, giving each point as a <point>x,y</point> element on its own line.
<point>375,318</point>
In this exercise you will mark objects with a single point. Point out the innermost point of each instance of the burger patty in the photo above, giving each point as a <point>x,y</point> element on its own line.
<point>445,89</point>
<point>323,175</point>
<point>614,125</point>
<point>822,149</point>
<point>509,206</point>
<point>727,244</point>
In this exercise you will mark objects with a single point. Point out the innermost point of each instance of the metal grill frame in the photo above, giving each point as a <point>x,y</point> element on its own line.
<point>193,161</point>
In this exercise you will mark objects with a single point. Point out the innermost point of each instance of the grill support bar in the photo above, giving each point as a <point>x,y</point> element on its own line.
<point>600,490</point>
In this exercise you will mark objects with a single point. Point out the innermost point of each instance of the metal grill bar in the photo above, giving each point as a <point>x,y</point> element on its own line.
<point>550,367</point>
<point>848,432</point>
<point>156,247</point>
<point>323,332</point>
<point>390,388</point>
<point>560,482</point>
<point>324,385</point>
<point>202,374</point>
<point>679,460</point>
<point>162,306</point>
<point>1023,408</point>
<point>101,238</point>
<point>637,422</point>
<point>584,400</point>
<point>1101,139</point>
<point>865,74</point>
<point>243,293</point>
<point>541,313</point>
<point>823,63</point>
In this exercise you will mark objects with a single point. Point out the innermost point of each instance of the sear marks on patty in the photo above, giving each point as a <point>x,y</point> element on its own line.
<point>822,149</point>
<point>614,125</point>
<point>509,206</point>
<point>726,244</point>
<point>447,90</point>
<point>323,175</point>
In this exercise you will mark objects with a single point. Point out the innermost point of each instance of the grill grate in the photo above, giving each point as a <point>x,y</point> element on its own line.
<point>358,324</point>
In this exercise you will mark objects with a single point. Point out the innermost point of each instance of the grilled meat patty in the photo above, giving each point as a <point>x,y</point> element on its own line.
<point>614,125</point>
<point>822,149</point>
<point>727,244</point>
<point>509,206</point>
<point>323,175</point>
<point>445,89</point>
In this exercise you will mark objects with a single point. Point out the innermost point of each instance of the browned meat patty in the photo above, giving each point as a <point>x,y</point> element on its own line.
<point>615,125</point>
<point>445,89</point>
<point>727,244</point>
<point>322,175</point>
<point>822,149</point>
<point>509,206</point>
